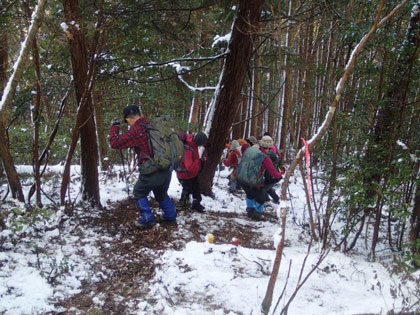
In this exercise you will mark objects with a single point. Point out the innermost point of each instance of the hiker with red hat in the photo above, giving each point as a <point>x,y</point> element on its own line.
<point>158,180</point>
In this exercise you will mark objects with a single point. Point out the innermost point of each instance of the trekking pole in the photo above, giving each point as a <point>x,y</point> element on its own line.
<point>124,174</point>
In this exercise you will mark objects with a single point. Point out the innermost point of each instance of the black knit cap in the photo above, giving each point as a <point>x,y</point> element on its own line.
<point>200,139</point>
<point>131,110</point>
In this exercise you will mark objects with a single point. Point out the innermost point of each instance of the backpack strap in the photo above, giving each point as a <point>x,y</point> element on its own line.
<point>149,141</point>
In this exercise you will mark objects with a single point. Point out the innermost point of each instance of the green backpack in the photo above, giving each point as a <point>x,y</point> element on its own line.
<point>276,162</point>
<point>249,169</point>
<point>164,143</point>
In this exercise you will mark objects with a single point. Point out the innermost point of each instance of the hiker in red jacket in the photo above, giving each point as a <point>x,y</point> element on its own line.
<point>158,182</point>
<point>189,169</point>
<point>232,161</point>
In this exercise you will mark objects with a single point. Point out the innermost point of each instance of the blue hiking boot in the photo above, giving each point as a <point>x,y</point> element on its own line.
<point>146,220</point>
<point>250,207</point>
<point>257,214</point>
<point>168,208</point>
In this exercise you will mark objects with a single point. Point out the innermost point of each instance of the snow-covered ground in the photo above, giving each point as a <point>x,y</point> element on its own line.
<point>48,258</point>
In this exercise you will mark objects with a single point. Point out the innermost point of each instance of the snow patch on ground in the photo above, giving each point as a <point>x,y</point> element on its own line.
<point>202,278</point>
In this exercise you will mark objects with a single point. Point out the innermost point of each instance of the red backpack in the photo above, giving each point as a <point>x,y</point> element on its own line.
<point>190,162</point>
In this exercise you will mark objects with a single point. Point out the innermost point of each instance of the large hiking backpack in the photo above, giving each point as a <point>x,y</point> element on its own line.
<point>165,145</point>
<point>249,169</point>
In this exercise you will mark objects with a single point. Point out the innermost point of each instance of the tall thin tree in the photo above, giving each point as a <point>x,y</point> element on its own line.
<point>266,304</point>
<point>228,93</point>
<point>7,97</point>
<point>85,122</point>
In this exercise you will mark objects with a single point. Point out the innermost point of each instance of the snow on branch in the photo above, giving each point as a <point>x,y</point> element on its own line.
<point>19,65</point>
<point>168,62</point>
<point>181,70</point>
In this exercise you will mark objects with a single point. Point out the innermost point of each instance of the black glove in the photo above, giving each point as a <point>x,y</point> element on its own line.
<point>115,122</point>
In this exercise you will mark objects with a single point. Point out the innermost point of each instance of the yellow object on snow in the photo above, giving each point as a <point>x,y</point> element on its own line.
<point>210,238</point>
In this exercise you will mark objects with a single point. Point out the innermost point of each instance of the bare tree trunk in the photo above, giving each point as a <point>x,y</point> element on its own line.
<point>415,226</point>
<point>304,122</point>
<point>228,96</point>
<point>272,113</point>
<point>85,123</point>
<point>195,110</point>
<point>237,130</point>
<point>266,304</point>
<point>331,187</point>
<point>387,127</point>
<point>36,116</point>
<point>8,164</point>
<point>286,91</point>
<point>20,64</point>
<point>256,93</point>
<point>100,128</point>
<point>44,154</point>
<point>6,157</point>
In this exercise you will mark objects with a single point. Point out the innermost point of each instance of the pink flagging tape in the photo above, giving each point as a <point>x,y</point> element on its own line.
<point>308,169</point>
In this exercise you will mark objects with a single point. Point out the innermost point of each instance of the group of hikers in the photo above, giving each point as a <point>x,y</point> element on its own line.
<point>254,164</point>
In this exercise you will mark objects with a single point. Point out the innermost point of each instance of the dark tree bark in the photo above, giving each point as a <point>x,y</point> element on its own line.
<point>100,127</point>
<point>381,150</point>
<point>237,128</point>
<point>9,166</point>
<point>266,304</point>
<point>85,123</point>
<point>256,123</point>
<point>415,227</point>
<point>36,115</point>
<point>5,156</point>
<point>228,97</point>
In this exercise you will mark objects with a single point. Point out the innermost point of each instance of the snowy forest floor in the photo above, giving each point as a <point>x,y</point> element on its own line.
<point>77,260</point>
<point>128,255</point>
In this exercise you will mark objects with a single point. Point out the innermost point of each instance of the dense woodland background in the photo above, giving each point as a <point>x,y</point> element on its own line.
<point>277,71</point>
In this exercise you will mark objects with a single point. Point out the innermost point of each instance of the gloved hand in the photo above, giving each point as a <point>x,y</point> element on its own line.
<point>115,122</point>
<point>283,169</point>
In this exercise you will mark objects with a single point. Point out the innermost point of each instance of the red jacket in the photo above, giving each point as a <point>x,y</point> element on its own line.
<point>136,137</point>
<point>190,163</point>
<point>232,159</point>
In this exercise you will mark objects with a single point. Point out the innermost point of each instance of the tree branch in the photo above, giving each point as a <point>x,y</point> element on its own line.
<point>266,304</point>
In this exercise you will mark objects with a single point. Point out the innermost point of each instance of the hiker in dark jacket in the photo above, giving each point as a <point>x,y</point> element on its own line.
<point>158,182</point>
<point>256,195</point>
<point>189,169</point>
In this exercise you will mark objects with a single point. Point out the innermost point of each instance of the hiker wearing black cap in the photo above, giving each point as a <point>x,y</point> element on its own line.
<point>158,181</point>
<point>189,169</point>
